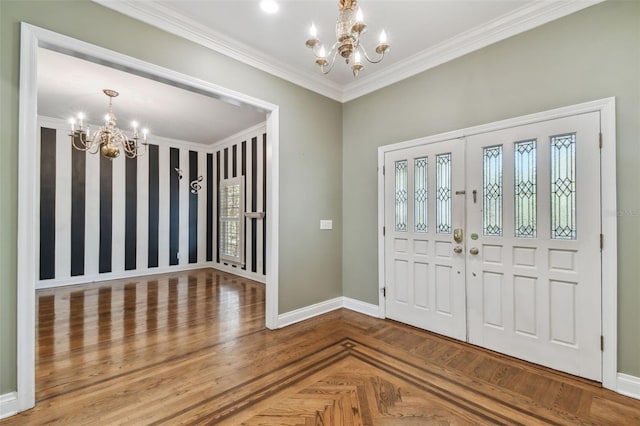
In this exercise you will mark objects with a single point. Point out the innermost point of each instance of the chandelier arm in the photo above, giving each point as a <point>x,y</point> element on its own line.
<point>332,51</point>
<point>144,149</point>
<point>327,70</point>
<point>94,148</point>
<point>373,61</point>
<point>82,146</point>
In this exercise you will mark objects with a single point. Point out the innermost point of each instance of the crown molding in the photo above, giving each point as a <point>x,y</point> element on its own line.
<point>503,27</point>
<point>171,21</point>
<point>513,23</point>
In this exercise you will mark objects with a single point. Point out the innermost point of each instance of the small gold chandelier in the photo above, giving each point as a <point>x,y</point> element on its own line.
<point>349,27</point>
<point>108,139</point>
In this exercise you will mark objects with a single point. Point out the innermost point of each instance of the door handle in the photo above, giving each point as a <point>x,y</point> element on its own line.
<point>457,249</point>
<point>457,235</point>
<point>474,251</point>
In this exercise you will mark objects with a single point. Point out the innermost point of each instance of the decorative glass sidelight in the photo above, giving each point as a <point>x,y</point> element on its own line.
<point>401,195</point>
<point>421,198</point>
<point>492,191</point>
<point>525,189</point>
<point>563,187</point>
<point>443,194</point>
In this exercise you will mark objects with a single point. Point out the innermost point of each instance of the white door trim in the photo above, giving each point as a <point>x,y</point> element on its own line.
<point>32,38</point>
<point>606,107</point>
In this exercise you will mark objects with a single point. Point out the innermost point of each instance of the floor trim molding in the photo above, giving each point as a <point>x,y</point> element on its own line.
<point>321,308</point>
<point>629,385</point>
<point>133,274</point>
<point>308,312</point>
<point>361,307</point>
<point>8,404</point>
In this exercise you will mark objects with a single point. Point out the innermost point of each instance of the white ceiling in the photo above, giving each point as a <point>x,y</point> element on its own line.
<point>412,26</point>
<point>69,85</point>
<point>422,33</point>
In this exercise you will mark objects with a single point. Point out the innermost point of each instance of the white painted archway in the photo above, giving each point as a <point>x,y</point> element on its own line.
<point>32,38</point>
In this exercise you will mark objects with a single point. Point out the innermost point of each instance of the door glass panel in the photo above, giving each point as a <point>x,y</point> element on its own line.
<point>492,191</point>
<point>563,187</point>
<point>525,190</point>
<point>401,195</point>
<point>443,189</point>
<point>420,202</point>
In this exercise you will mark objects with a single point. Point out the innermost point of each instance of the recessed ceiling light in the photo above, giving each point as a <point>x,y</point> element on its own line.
<point>269,6</point>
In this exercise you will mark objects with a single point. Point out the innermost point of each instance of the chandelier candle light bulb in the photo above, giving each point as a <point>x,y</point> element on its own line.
<point>350,26</point>
<point>357,66</point>
<point>359,27</point>
<point>383,37</point>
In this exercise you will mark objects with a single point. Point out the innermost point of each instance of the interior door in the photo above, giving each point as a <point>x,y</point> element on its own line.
<point>533,243</point>
<point>424,266</point>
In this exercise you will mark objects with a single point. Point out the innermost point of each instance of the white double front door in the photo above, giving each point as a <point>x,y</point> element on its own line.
<point>494,239</point>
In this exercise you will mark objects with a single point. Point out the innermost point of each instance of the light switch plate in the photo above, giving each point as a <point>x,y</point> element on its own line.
<point>326,224</point>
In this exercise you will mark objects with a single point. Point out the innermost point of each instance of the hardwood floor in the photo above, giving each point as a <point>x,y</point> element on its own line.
<point>191,348</point>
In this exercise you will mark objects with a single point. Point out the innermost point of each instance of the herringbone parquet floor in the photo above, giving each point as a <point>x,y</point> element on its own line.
<point>191,348</point>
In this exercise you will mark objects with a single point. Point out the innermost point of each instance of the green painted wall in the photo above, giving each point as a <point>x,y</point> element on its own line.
<point>589,55</point>
<point>310,149</point>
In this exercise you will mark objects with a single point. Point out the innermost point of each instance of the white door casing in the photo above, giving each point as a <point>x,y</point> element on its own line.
<point>532,296</point>
<point>533,292</point>
<point>424,275</point>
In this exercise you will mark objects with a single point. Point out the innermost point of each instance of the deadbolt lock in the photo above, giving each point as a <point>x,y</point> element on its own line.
<point>457,235</point>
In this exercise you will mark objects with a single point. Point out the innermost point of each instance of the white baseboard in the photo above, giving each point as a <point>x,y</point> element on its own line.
<point>240,272</point>
<point>307,312</point>
<point>362,307</point>
<point>629,385</point>
<point>8,404</point>
<point>84,279</point>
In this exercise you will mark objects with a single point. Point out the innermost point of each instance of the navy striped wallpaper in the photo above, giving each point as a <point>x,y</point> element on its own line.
<point>47,204</point>
<point>131,214</point>
<point>106,207</point>
<point>154,205</point>
<point>82,236</point>
<point>193,208</point>
<point>174,206</point>
<point>78,166</point>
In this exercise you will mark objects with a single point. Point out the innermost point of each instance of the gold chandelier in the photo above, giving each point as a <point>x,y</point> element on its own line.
<point>108,139</point>
<point>349,27</point>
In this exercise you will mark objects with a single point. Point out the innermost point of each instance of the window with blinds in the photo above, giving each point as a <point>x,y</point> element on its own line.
<point>231,236</point>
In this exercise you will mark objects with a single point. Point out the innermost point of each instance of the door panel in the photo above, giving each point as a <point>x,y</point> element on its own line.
<point>533,289</point>
<point>423,274</point>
